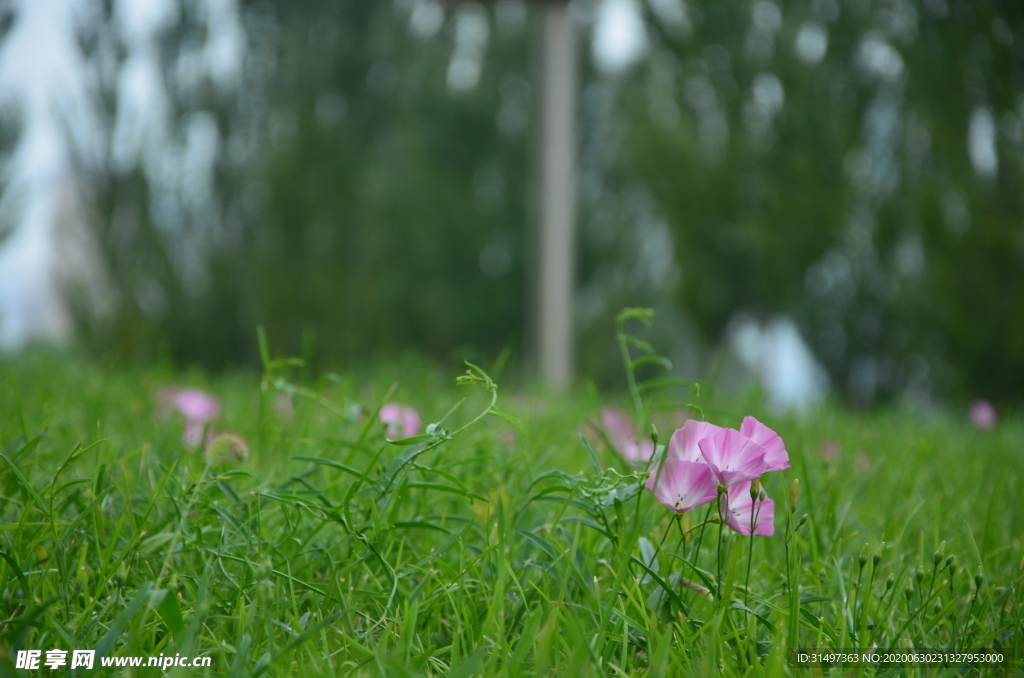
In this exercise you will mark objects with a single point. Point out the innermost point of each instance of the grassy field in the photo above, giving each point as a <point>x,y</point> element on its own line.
<point>484,549</point>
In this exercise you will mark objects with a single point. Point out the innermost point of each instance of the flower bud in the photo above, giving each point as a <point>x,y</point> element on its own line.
<point>951,561</point>
<point>979,579</point>
<point>654,435</point>
<point>227,448</point>
<point>940,553</point>
<point>863,559</point>
<point>919,575</point>
<point>937,608</point>
<point>803,519</point>
<point>890,582</point>
<point>755,489</point>
<point>794,490</point>
<point>908,592</point>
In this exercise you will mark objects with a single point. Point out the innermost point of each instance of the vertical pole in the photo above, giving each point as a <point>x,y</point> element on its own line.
<point>557,195</point>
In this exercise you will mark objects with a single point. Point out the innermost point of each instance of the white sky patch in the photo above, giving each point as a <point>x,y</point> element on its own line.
<point>878,58</point>
<point>619,39</point>
<point>64,140</point>
<point>674,14</point>
<point>471,33</point>
<point>426,19</point>
<point>981,143</point>
<point>766,16</point>
<point>811,43</point>
<point>778,355</point>
<point>43,81</point>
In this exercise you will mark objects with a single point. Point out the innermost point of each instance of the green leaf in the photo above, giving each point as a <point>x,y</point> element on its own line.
<point>644,315</point>
<point>593,456</point>
<point>445,488</point>
<point>661,582</point>
<point>421,525</point>
<point>169,611</point>
<point>651,359</point>
<point>106,643</point>
<point>635,341</point>
<point>330,463</point>
<point>664,382</point>
<point>405,442</point>
<point>508,417</point>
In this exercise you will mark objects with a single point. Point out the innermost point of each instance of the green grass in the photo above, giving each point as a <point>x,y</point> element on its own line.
<point>499,552</point>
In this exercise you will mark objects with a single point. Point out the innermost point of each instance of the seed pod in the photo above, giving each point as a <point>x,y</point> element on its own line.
<point>890,582</point>
<point>919,575</point>
<point>951,561</point>
<point>803,519</point>
<point>908,592</point>
<point>979,579</point>
<point>940,553</point>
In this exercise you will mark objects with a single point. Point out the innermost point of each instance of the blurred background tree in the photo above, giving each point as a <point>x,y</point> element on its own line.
<point>853,164</point>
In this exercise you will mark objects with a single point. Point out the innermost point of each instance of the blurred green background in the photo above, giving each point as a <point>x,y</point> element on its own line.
<point>853,164</point>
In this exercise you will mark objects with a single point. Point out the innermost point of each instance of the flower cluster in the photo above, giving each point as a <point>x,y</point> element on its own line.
<point>704,462</point>
<point>199,409</point>
<point>622,434</point>
<point>401,421</point>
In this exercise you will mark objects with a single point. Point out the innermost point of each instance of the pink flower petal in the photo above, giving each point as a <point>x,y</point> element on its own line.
<point>732,456</point>
<point>683,444</point>
<point>194,404</point>
<point>622,434</point>
<point>682,485</point>
<point>410,422</point>
<point>739,507</point>
<point>983,415</point>
<point>401,421</point>
<point>775,456</point>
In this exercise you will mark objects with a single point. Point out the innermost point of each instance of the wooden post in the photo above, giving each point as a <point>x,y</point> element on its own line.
<point>555,266</point>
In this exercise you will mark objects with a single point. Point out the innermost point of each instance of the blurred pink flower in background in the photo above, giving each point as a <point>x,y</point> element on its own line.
<point>983,414</point>
<point>862,462</point>
<point>739,507</point>
<point>198,408</point>
<point>831,450</point>
<point>402,421</point>
<point>622,433</point>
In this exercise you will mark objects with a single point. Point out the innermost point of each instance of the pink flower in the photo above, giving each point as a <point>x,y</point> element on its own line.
<point>197,407</point>
<point>733,457</point>
<point>775,456</point>
<point>983,414</point>
<point>622,433</point>
<point>682,485</point>
<point>684,442</point>
<point>402,421</point>
<point>738,509</point>
<point>831,450</point>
